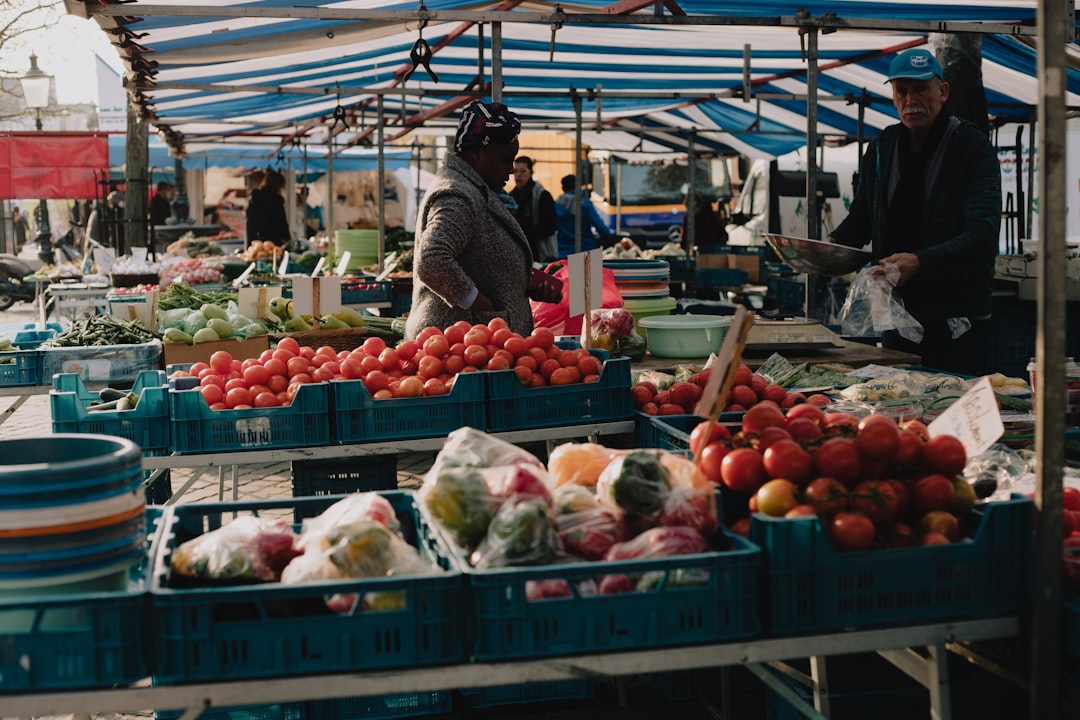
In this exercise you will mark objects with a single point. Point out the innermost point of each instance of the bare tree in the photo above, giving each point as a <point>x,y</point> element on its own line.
<point>20,20</point>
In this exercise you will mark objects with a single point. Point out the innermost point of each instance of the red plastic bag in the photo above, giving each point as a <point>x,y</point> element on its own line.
<point>556,315</point>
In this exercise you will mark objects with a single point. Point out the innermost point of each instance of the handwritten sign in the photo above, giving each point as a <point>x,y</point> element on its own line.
<point>329,295</point>
<point>581,281</point>
<point>973,419</point>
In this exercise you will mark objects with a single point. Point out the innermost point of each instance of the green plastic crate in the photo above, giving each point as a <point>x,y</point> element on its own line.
<point>20,368</point>
<point>147,424</point>
<point>382,707</point>
<point>363,473</point>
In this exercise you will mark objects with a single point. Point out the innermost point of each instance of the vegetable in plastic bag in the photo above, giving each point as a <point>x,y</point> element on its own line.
<point>360,549</point>
<point>247,550</point>
<point>637,484</point>
<point>871,306</point>
<point>659,542</point>
<point>468,447</point>
<point>507,481</point>
<point>460,502</point>
<point>521,533</point>
<point>692,499</point>
<point>580,463</point>
<point>350,509</point>
<point>632,346</point>
<point>590,533</point>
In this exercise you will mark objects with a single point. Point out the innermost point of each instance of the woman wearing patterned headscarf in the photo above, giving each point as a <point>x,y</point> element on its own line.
<point>472,260</point>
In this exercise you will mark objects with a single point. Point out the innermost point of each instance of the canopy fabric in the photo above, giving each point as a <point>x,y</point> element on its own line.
<point>259,75</point>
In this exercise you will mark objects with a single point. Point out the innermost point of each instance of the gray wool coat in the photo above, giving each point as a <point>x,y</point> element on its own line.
<point>466,237</point>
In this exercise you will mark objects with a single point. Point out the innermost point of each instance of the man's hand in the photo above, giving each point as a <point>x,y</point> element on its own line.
<point>482,303</point>
<point>906,263</point>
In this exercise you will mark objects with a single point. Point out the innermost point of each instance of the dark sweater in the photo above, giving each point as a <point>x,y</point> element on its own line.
<point>955,233</point>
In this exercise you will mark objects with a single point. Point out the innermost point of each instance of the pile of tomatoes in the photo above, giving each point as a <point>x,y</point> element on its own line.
<point>1070,526</point>
<point>873,482</point>
<point>748,388</point>
<point>426,366</point>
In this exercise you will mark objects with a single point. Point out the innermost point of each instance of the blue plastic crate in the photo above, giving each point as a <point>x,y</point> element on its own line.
<point>703,598</point>
<point>197,428</point>
<point>80,640</point>
<point>680,267</point>
<point>19,368</point>
<point>282,711</point>
<point>147,424</point>
<point>382,707</point>
<point>274,630</point>
<point>32,339</point>
<point>812,587</point>
<point>511,406</point>
<point>672,432</point>
<point>363,473</point>
<point>707,278</point>
<point>102,363</point>
<point>357,417</point>
<point>526,693</point>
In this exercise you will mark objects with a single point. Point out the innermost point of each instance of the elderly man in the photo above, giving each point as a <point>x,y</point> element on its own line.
<point>929,201</point>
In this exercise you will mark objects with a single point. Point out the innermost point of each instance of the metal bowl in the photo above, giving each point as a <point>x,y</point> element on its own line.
<point>814,256</point>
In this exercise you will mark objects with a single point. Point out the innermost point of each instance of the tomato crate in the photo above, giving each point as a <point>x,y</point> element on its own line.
<point>79,639</point>
<point>511,406</point>
<point>20,367</point>
<point>102,363</point>
<point>197,428</point>
<point>701,598</point>
<point>526,693</point>
<point>147,424</point>
<point>671,432</point>
<point>282,711</point>
<point>357,417</point>
<point>275,630</point>
<point>343,476</point>
<point>809,586</point>
<point>382,707</point>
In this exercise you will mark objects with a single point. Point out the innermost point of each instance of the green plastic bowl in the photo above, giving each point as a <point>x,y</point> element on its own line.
<point>685,336</point>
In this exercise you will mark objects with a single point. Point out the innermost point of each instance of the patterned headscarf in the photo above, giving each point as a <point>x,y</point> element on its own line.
<point>483,123</point>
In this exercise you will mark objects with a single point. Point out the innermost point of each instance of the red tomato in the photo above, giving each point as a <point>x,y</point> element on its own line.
<point>221,362</point>
<point>428,332</point>
<point>256,375</point>
<point>761,416</point>
<point>237,396</point>
<point>210,378</point>
<point>787,459</point>
<point>277,383</point>
<point>197,368</point>
<point>406,349</point>
<point>805,410</point>
<point>768,436</point>
<point>875,499</point>
<point>434,386</point>
<point>803,429</point>
<point>877,437</point>
<point>742,470</point>
<point>945,454</point>
<point>376,380</point>
<point>455,334</point>
<point>916,426</point>
<point>436,345</point>
<point>639,395</point>
<point>351,369</point>
<point>548,366</point>
<point>321,374</point>
<point>498,362</point>
<point>429,367</point>
<point>542,338</point>
<point>235,383</point>
<point>942,522</point>
<point>297,365</point>
<point>516,345</point>
<point>212,393</point>
<point>909,449</point>
<point>776,497</point>
<point>478,335</point>
<point>838,457</point>
<point>497,323</point>
<point>454,364</point>
<point>410,387</point>
<point>306,352</point>
<point>368,363</point>
<point>933,492</point>
<point>711,459</point>
<point>1070,498</point>
<point>276,367</point>
<point>718,432</point>
<point>374,345</point>
<point>476,355</point>
<point>266,399</point>
<point>289,344</point>
<point>852,531</point>
<point>827,495</point>
<point>326,351</point>
<point>562,376</point>
<point>500,336</point>
<point>389,358</point>
<point>524,374</point>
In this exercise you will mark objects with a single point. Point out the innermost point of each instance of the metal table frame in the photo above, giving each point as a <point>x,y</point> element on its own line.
<point>892,643</point>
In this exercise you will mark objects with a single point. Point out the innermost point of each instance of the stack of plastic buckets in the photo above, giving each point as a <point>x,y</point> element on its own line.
<point>643,285</point>
<point>72,514</point>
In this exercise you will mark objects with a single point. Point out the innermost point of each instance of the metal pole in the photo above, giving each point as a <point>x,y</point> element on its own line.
<point>578,192</point>
<point>496,62</point>
<point>691,196</point>
<point>813,229</point>
<point>1050,366</point>
<point>381,181</point>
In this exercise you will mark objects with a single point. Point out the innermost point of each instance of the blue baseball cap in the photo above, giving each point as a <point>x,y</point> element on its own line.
<point>917,64</point>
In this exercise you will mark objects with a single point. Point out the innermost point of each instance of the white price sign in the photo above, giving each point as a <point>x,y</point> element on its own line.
<point>973,419</point>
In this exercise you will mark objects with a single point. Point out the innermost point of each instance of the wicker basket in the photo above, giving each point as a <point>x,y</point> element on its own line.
<point>339,339</point>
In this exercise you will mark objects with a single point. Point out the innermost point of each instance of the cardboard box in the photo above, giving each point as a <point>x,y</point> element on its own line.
<point>801,333</point>
<point>201,352</point>
<point>750,263</point>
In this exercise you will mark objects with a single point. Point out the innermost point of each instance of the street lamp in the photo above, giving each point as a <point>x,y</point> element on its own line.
<point>36,87</point>
<point>36,84</point>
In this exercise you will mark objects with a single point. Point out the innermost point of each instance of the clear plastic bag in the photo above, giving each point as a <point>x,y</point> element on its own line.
<point>247,550</point>
<point>523,532</point>
<point>871,307</point>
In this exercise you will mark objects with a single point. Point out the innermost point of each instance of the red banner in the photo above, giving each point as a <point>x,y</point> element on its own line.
<point>52,165</point>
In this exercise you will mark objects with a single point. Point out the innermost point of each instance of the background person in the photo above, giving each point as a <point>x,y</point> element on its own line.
<point>750,214</point>
<point>535,211</point>
<point>266,219</point>
<point>709,232</point>
<point>161,203</point>
<point>472,259</point>
<point>593,228</point>
<point>929,202</point>
<point>20,226</point>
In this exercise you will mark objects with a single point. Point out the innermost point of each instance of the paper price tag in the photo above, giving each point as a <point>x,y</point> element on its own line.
<point>973,419</point>
<point>582,282</point>
<point>318,267</point>
<point>343,264</point>
<point>255,302</point>
<point>284,266</point>
<point>326,301</point>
